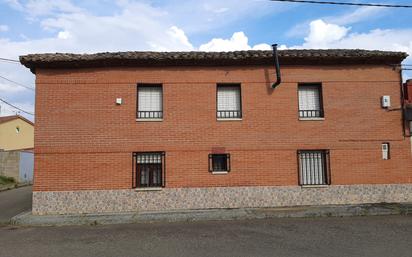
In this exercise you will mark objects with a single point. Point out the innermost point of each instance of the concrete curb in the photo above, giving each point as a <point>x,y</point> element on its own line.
<point>27,219</point>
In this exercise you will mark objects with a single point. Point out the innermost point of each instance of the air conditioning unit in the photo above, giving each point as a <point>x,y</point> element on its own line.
<point>386,101</point>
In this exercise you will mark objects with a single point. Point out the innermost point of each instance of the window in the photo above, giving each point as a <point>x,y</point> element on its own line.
<point>148,169</point>
<point>149,102</point>
<point>228,102</point>
<point>310,101</point>
<point>313,167</point>
<point>219,162</point>
<point>17,129</point>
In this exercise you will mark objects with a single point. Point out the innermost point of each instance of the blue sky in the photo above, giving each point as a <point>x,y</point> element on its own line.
<point>36,26</point>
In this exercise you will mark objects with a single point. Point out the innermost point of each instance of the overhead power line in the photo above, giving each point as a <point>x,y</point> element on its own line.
<point>344,3</point>
<point>9,60</point>
<point>15,107</point>
<point>17,83</point>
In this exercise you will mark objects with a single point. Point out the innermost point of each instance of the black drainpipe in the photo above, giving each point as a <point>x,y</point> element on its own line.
<point>275,55</point>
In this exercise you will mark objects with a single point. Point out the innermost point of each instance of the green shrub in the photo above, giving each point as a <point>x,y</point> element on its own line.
<point>6,180</point>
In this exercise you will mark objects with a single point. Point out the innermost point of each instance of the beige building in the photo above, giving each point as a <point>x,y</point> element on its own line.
<point>16,132</point>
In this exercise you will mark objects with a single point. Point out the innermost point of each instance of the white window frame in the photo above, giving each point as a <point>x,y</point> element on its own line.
<point>232,111</point>
<point>149,113</point>
<point>315,101</point>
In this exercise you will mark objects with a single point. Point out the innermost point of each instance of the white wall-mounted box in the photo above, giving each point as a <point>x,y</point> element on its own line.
<point>386,101</point>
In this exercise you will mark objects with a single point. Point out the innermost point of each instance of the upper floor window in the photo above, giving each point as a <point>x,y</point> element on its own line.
<point>149,101</point>
<point>229,104</point>
<point>310,101</point>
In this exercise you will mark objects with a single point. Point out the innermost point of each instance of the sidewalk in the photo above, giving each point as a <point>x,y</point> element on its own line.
<point>27,219</point>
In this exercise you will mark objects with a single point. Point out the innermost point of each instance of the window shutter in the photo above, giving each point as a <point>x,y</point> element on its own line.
<point>309,98</point>
<point>228,98</point>
<point>150,98</point>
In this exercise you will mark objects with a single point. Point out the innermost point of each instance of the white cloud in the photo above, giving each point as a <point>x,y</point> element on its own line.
<point>4,28</point>
<point>15,4</point>
<point>326,35</point>
<point>138,26</point>
<point>200,16</point>
<point>261,46</point>
<point>179,36</point>
<point>361,14</point>
<point>35,8</point>
<point>322,34</point>
<point>64,34</point>
<point>238,41</point>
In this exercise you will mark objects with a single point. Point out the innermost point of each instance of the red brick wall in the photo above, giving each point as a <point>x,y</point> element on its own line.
<point>408,91</point>
<point>83,140</point>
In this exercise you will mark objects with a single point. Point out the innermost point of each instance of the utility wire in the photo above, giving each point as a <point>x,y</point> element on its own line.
<point>343,3</point>
<point>9,60</point>
<point>17,83</point>
<point>15,107</point>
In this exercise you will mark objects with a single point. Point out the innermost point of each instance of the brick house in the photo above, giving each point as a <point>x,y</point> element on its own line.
<point>149,131</point>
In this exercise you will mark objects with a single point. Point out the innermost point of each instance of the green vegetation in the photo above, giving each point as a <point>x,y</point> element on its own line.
<point>6,180</point>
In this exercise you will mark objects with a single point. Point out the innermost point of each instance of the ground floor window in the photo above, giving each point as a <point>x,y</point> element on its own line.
<point>148,169</point>
<point>219,162</point>
<point>314,167</point>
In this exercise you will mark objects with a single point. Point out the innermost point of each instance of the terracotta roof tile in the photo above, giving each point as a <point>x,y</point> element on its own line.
<point>252,57</point>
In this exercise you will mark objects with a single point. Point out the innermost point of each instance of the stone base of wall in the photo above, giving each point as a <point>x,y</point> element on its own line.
<point>107,201</point>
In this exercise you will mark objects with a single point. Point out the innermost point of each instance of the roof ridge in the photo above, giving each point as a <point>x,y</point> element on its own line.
<point>4,119</point>
<point>192,58</point>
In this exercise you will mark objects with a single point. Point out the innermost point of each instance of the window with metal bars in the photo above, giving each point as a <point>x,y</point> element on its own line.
<point>310,101</point>
<point>229,104</point>
<point>149,169</point>
<point>149,101</point>
<point>219,162</point>
<point>313,167</point>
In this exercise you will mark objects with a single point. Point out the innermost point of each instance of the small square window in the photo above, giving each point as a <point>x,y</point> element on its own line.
<point>310,101</point>
<point>149,102</point>
<point>219,162</point>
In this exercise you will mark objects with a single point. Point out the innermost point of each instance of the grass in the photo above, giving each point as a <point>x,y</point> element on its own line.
<point>6,180</point>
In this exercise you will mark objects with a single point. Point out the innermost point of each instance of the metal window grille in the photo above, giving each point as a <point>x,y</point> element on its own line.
<point>310,101</point>
<point>149,102</point>
<point>229,104</point>
<point>314,167</point>
<point>149,169</point>
<point>219,162</point>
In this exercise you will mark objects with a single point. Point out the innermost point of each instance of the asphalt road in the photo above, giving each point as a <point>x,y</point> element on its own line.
<point>13,202</point>
<point>354,236</point>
